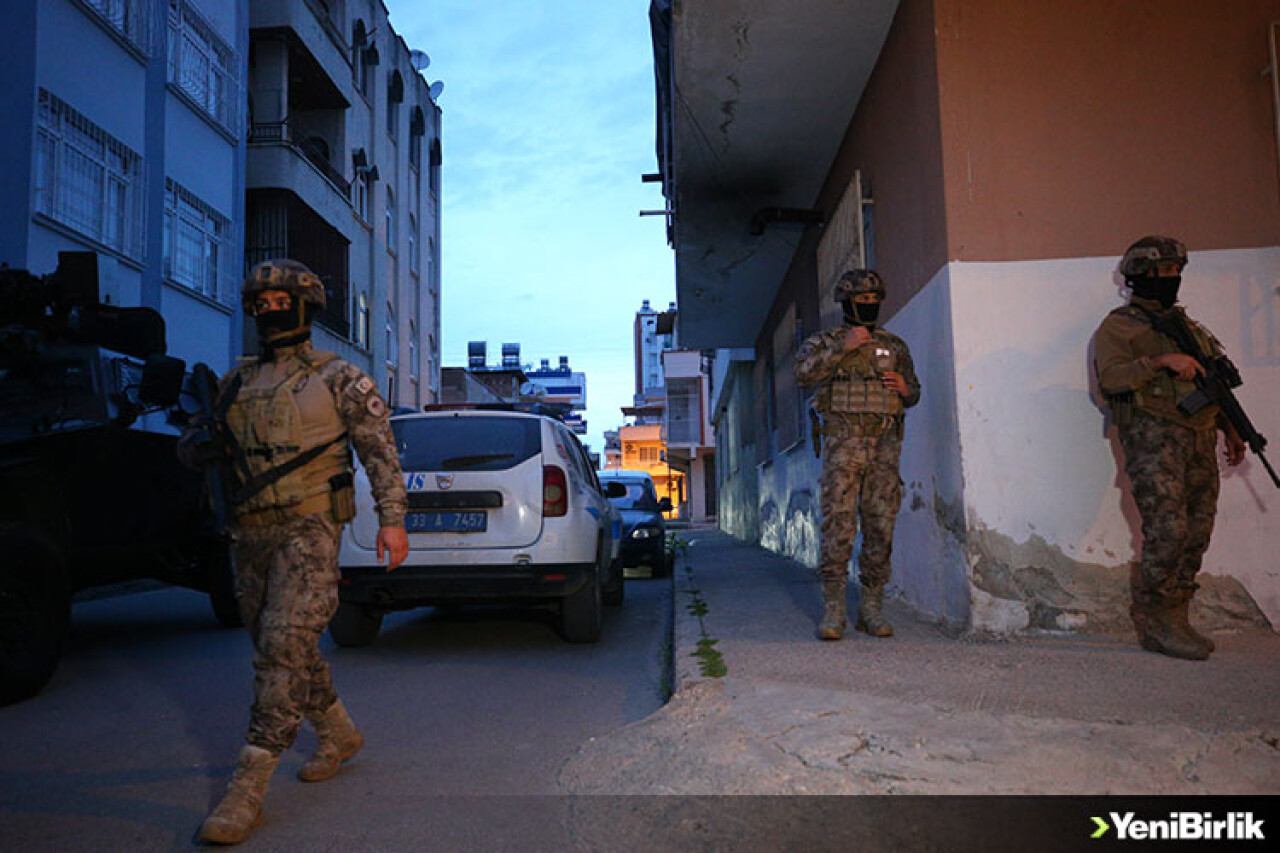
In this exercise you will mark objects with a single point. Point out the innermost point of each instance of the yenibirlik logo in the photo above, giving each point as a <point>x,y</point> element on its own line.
<point>1182,826</point>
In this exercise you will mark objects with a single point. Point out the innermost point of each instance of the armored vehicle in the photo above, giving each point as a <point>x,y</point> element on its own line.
<point>91,490</point>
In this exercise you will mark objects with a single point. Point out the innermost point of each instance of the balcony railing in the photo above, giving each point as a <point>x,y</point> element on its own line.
<point>281,133</point>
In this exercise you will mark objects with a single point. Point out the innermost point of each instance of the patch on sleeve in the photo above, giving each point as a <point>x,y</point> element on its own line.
<point>376,407</point>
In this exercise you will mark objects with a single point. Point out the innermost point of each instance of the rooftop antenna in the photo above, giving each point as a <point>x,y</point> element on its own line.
<point>419,60</point>
<point>435,89</point>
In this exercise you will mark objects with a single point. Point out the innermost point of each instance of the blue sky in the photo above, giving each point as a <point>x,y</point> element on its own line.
<point>548,124</point>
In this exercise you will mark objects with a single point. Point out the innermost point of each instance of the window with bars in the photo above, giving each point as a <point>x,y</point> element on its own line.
<point>197,244</point>
<point>130,18</point>
<point>202,64</point>
<point>86,179</point>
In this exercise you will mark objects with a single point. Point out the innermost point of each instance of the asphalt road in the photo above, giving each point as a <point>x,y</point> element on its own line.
<point>469,717</point>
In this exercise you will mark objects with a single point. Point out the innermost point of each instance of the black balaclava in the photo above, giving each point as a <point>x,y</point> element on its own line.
<point>861,314</point>
<point>283,328</point>
<point>1161,288</point>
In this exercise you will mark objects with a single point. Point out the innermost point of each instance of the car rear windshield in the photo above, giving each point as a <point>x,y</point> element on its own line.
<point>455,443</point>
<point>638,496</point>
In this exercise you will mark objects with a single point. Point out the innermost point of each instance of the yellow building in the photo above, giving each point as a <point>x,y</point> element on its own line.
<point>643,449</point>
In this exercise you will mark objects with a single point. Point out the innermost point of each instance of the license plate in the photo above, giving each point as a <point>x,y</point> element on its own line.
<point>446,521</point>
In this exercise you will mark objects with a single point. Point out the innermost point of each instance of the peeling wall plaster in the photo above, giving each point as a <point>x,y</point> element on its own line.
<point>1041,463</point>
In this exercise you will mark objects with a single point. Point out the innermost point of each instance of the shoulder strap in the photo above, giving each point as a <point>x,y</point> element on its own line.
<point>256,484</point>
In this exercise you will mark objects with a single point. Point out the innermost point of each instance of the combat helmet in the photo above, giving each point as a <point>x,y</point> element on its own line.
<point>1144,255</point>
<point>283,274</point>
<point>283,328</point>
<point>854,282</point>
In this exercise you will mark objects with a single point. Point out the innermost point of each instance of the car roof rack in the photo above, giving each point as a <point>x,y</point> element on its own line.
<point>552,410</point>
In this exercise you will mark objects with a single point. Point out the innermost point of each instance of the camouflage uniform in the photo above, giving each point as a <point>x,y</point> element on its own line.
<point>860,451</point>
<point>292,416</point>
<point>1170,457</point>
<point>286,537</point>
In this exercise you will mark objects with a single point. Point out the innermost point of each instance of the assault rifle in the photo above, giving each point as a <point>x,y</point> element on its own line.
<point>1215,386</point>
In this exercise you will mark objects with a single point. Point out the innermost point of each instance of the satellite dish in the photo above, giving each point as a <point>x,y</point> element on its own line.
<point>419,60</point>
<point>435,90</point>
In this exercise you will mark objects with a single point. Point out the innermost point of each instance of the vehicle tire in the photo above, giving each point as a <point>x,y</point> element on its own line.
<point>615,591</point>
<point>661,567</point>
<point>219,566</point>
<point>355,625</point>
<point>35,611</point>
<point>580,615</point>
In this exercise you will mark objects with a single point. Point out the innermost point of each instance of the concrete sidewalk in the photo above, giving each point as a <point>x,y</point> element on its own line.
<point>924,712</point>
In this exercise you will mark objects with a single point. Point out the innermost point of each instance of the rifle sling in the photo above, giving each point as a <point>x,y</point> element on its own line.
<point>256,484</point>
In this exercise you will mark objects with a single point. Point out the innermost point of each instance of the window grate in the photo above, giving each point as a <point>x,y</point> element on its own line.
<point>197,245</point>
<point>130,18</point>
<point>202,65</point>
<point>86,179</point>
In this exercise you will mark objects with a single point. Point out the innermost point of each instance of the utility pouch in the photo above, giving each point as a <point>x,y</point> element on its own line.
<point>1194,402</point>
<point>343,494</point>
<point>1122,408</point>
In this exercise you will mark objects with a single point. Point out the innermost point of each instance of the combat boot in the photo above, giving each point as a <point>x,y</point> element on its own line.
<point>240,811</point>
<point>1180,611</point>
<point>339,739</point>
<point>1164,635</point>
<point>833,611</point>
<point>870,619</point>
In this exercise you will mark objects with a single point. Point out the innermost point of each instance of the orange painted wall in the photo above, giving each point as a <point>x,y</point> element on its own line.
<point>1071,128</point>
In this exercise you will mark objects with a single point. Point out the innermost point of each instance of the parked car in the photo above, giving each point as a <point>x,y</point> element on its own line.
<point>503,506</point>
<point>644,531</point>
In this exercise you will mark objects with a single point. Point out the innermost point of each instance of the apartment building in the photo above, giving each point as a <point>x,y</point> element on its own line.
<point>185,140</point>
<point>343,174</point>
<point>992,161</point>
<point>124,135</point>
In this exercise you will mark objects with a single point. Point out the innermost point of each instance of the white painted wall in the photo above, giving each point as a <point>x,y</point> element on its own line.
<point>929,565</point>
<point>1038,457</point>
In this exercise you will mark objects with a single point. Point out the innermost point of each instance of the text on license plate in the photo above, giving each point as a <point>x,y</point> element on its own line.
<point>446,521</point>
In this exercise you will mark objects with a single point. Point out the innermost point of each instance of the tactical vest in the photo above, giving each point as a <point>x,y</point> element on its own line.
<point>276,419</point>
<point>855,388</point>
<point>1160,396</point>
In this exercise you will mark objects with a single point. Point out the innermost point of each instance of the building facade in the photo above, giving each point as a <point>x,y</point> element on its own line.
<point>190,139</point>
<point>135,150</point>
<point>344,171</point>
<point>992,167</point>
<point>562,386</point>
<point>686,431</point>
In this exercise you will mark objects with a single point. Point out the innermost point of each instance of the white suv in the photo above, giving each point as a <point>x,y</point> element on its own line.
<point>503,505</point>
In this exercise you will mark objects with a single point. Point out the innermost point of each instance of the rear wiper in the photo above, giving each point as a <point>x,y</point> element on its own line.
<point>453,463</point>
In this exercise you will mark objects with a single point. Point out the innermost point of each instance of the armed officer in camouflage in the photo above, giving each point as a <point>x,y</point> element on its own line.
<point>293,414</point>
<point>866,381</point>
<point>1170,456</point>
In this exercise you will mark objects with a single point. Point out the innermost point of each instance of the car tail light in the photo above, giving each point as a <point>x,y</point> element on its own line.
<point>555,492</point>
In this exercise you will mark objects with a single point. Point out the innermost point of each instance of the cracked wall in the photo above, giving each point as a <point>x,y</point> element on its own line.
<point>1032,585</point>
